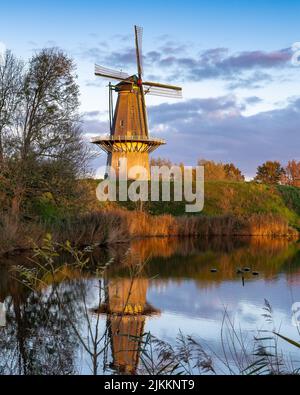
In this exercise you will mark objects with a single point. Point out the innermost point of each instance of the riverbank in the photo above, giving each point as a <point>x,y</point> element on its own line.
<point>231,209</point>
<point>112,226</point>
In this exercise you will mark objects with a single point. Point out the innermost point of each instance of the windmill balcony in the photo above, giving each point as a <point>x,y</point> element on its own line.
<point>134,143</point>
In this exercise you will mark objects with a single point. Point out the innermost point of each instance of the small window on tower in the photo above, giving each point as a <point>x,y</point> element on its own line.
<point>121,123</point>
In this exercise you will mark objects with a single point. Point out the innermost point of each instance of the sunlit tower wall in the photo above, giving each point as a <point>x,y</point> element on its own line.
<point>129,135</point>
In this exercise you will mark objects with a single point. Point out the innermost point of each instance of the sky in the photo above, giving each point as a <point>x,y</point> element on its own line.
<point>236,61</point>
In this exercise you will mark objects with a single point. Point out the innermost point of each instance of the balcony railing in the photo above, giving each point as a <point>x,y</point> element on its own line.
<point>110,143</point>
<point>112,138</point>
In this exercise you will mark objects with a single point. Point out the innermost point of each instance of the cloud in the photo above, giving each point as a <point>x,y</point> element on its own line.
<point>253,100</point>
<point>121,59</point>
<point>32,43</point>
<point>172,47</point>
<point>154,56</point>
<point>216,129</point>
<point>93,53</point>
<point>245,69</point>
<point>218,63</point>
<point>51,43</point>
<point>251,59</point>
<point>122,37</point>
<point>92,114</point>
<point>195,108</point>
<point>93,125</point>
<point>254,80</point>
<point>94,83</point>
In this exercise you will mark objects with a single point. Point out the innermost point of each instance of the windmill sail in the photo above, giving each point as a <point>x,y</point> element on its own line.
<point>139,59</point>
<point>157,89</point>
<point>138,44</point>
<point>101,71</point>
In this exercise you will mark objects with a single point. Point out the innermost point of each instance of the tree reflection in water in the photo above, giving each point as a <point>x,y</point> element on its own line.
<point>37,338</point>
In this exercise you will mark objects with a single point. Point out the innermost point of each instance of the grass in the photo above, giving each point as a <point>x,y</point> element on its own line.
<point>231,209</point>
<point>222,199</point>
<point>291,197</point>
<point>242,201</point>
<point>237,199</point>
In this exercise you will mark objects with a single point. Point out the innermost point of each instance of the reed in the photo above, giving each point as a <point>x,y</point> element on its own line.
<point>141,224</point>
<point>103,227</point>
<point>17,235</point>
<point>117,225</point>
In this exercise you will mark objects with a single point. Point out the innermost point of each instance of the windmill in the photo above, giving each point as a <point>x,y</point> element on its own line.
<point>129,135</point>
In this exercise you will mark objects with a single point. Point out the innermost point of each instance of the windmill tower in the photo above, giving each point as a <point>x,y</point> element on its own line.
<point>129,135</point>
<point>126,309</point>
<point>127,313</point>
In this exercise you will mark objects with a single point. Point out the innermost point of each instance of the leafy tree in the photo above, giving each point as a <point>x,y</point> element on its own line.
<point>160,162</point>
<point>218,171</point>
<point>233,173</point>
<point>42,145</point>
<point>292,171</point>
<point>213,171</point>
<point>270,172</point>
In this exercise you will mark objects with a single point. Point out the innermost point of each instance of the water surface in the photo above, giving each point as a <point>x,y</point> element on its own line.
<point>50,329</point>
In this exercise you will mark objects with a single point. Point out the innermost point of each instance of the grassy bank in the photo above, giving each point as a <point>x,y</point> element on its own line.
<point>222,198</point>
<point>231,209</point>
<point>239,199</point>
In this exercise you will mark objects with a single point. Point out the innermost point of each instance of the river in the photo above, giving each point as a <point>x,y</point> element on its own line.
<point>88,322</point>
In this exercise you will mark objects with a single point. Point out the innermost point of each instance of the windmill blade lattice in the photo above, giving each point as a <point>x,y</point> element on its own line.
<point>164,92</point>
<point>139,48</point>
<point>105,72</point>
